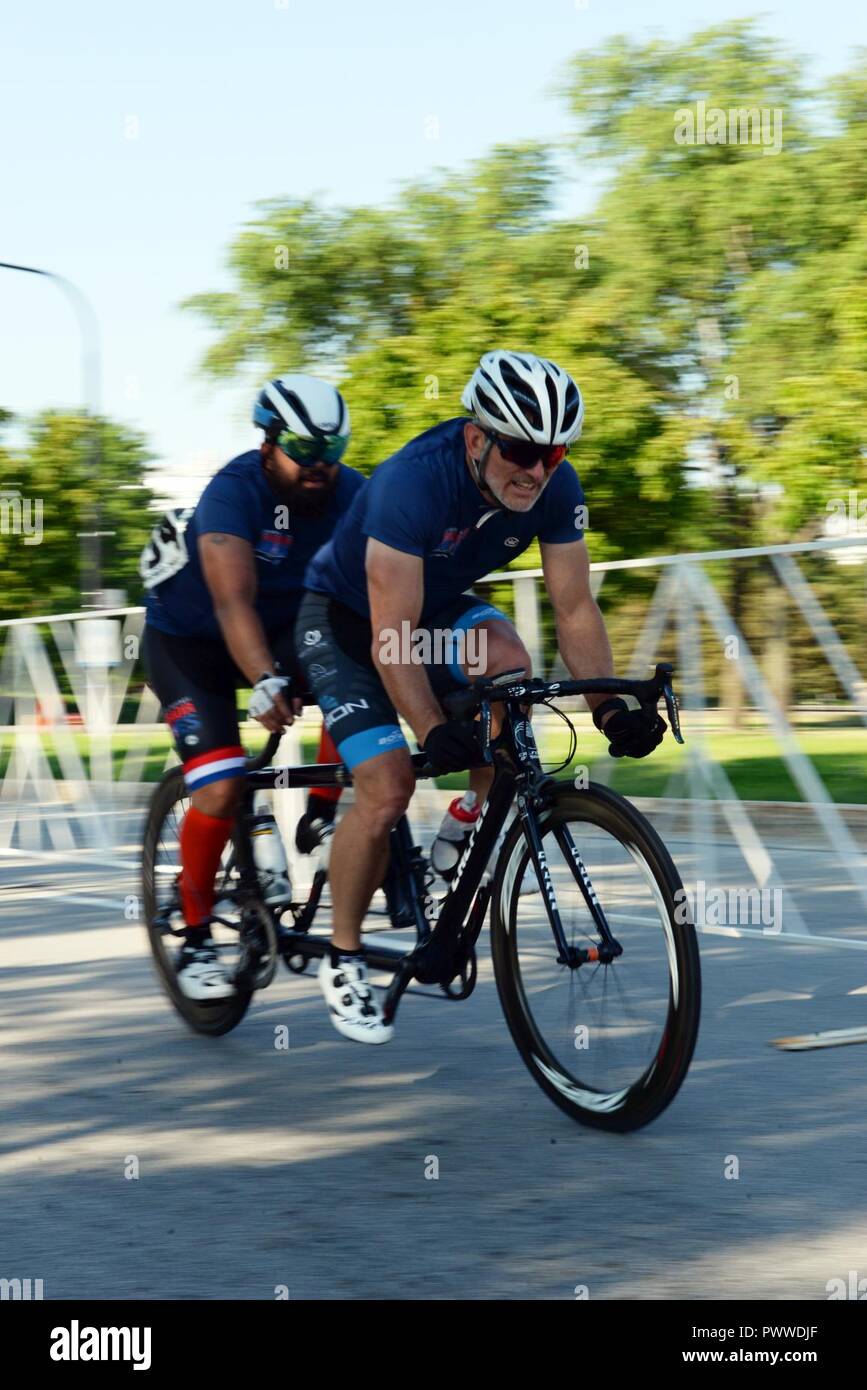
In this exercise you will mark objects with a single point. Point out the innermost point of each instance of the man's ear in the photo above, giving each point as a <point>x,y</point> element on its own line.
<point>474,438</point>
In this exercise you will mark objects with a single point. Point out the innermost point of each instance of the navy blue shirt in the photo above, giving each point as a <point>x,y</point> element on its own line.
<point>424,502</point>
<point>239,502</point>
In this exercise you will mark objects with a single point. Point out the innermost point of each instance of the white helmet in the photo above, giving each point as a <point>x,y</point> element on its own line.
<point>305,407</point>
<point>525,397</point>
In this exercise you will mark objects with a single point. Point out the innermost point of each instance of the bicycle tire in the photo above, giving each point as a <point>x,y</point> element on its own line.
<point>644,1100</point>
<point>213,1019</point>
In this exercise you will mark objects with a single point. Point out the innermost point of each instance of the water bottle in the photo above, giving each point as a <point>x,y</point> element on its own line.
<point>269,855</point>
<point>450,843</point>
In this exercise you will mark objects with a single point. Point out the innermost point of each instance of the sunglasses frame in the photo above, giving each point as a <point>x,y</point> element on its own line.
<point>539,457</point>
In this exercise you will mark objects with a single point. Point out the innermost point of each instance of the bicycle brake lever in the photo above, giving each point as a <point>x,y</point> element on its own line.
<point>673,710</point>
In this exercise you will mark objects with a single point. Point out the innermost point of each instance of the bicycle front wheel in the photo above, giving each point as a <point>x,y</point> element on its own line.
<point>609,1043</point>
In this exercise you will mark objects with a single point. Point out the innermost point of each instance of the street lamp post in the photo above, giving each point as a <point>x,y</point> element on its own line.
<point>90,557</point>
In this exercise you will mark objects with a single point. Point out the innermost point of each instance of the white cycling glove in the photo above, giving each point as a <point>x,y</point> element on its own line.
<point>265,690</point>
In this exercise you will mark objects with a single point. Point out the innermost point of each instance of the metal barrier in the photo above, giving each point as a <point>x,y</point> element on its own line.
<point>56,806</point>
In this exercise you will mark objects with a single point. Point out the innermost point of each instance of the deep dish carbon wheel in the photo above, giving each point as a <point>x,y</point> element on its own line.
<point>609,1043</point>
<point>160,867</point>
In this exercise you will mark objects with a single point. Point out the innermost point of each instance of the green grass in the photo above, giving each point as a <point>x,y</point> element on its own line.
<point>751,760</point>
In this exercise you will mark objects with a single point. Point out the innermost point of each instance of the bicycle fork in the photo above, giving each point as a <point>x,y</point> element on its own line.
<point>573,956</point>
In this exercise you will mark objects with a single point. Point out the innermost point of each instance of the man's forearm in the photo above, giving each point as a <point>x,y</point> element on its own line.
<point>245,637</point>
<point>409,690</point>
<point>585,648</point>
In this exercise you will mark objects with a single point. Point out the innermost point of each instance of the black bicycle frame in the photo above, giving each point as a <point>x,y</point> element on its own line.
<point>445,938</point>
<point>445,952</point>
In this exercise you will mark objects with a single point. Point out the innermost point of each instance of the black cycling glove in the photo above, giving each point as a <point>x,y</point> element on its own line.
<point>453,746</point>
<point>634,730</point>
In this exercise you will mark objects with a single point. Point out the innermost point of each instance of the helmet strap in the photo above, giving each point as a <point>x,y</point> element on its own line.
<point>267,455</point>
<point>480,467</point>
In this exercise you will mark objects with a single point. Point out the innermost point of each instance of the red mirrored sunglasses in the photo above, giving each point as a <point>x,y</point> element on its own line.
<point>525,454</point>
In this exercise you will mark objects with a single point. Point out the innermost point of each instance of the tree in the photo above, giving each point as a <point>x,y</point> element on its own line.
<point>737,261</point>
<point>401,302</point>
<point>53,474</point>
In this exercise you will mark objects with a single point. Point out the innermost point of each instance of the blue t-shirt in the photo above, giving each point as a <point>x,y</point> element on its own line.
<point>239,502</point>
<point>424,502</point>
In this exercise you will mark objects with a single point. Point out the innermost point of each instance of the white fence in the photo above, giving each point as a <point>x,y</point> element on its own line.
<point>55,811</point>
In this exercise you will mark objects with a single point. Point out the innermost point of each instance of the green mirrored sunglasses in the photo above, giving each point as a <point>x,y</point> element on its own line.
<point>328,448</point>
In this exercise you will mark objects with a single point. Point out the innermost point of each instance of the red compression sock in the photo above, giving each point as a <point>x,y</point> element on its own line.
<point>202,839</point>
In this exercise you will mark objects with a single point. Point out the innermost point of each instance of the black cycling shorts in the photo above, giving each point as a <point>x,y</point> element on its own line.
<point>333,648</point>
<point>195,680</point>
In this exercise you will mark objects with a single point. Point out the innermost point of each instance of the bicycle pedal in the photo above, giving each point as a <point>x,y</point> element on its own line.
<point>255,974</point>
<point>162,922</point>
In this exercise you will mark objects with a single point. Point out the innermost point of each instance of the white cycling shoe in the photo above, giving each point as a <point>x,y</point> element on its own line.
<point>351,1003</point>
<point>201,976</point>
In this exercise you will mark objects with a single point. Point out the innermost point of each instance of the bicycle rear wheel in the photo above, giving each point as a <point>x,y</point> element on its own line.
<point>609,1043</point>
<point>160,868</point>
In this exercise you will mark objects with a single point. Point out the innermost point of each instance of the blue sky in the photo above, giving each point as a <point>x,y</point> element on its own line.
<point>231,101</point>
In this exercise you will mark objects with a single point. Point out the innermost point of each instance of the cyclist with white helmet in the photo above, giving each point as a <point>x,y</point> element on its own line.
<point>457,502</point>
<point>224,583</point>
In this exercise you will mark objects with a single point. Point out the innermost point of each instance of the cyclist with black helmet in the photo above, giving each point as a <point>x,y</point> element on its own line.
<point>459,501</point>
<point>224,583</point>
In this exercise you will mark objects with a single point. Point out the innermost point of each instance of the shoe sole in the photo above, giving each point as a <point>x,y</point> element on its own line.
<point>346,1030</point>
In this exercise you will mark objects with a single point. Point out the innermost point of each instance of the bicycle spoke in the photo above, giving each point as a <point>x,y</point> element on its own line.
<point>603,1022</point>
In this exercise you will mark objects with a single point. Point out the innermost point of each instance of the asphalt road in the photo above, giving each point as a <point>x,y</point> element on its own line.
<point>259,1168</point>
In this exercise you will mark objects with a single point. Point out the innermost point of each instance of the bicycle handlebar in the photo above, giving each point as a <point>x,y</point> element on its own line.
<point>510,686</point>
<point>257,761</point>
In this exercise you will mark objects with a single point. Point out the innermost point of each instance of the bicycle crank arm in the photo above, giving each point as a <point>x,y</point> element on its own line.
<point>402,979</point>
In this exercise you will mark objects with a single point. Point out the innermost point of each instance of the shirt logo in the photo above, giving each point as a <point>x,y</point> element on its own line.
<point>312,636</point>
<point>451,539</point>
<point>273,546</point>
<point>511,540</point>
